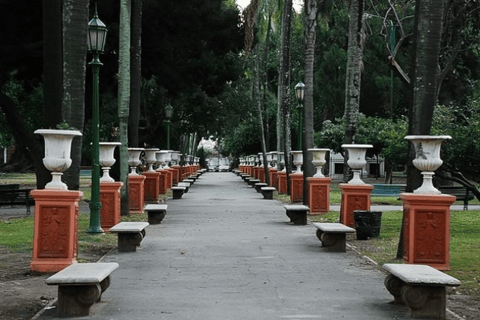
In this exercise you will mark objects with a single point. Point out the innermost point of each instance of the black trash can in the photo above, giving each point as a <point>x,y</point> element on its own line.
<point>367,224</point>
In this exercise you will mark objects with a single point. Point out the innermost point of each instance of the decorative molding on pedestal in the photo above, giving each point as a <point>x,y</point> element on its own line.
<point>354,197</point>
<point>110,198</point>
<point>319,195</point>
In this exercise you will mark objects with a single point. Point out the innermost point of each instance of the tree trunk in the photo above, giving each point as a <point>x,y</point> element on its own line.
<point>136,73</point>
<point>75,13</point>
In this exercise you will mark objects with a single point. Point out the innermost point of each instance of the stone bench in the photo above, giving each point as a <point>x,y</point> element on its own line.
<point>130,235</point>
<point>259,185</point>
<point>252,182</point>
<point>297,213</point>
<point>80,286</point>
<point>333,235</point>
<point>267,192</point>
<point>156,212</point>
<point>178,192</point>
<point>420,287</point>
<point>191,181</point>
<point>186,185</point>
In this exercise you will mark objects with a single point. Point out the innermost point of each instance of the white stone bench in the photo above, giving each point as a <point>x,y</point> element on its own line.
<point>156,212</point>
<point>333,235</point>
<point>178,191</point>
<point>259,186</point>
<point>420,287</point>
<point>191,181</point>
<point>130,235</point>
<point>186,185</point>
<point>267,192</point>
<point>253,181</point>
<point>80,286</point>
<point>297,213</point>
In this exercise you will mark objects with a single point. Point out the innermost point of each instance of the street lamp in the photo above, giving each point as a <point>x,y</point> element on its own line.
<point>97,32</point>
<point>168,115</point>
<point>300,93</point>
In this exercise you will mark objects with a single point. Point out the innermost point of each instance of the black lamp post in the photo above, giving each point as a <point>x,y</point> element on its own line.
<point>97,32</point>
<point>168,115</point>
<point>300,93</point>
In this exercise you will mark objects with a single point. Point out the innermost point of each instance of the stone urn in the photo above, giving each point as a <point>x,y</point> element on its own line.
<point>297,160</point>
<point>260,159</point>
<point>134,159</point>
<point>356,160</point>
<point>273,156</point>
<point>107,159</point>
<point>168,158</point>
<point>318,156</point>
<point>427,159</point>
<point>160,157</point>
<point>150,157</point>
<point>282,161</point>
<point>58,146</point>
<point>175,157</point>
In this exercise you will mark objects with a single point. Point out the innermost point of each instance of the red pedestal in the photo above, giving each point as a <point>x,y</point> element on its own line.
<point>282,182</point>
<point>273,177</point>
<point>176,174</point>
<point>319,195</point>
<point>296,187</point>
<point>354,197</point>
<point>136,193</point>
<point>162,181</point>
<point>55,237</point>
<point>170,174</point>
<point>110,198</point>
<point>261,174</point>
<point>426,229</point>
<point>151,186</point>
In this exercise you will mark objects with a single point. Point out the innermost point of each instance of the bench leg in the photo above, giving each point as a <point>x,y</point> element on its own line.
<point>299,218</point>
<point>75,301</point>
<point>335,242</point>
<point>177,194</point>
<point>267,195</point>
<point>129,241</point>
<point>156,217</point>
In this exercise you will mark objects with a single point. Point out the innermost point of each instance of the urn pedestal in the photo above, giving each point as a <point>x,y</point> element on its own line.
<point>176,174</point>
<point>162,181</point>
<point>319,195</point>
<point>296,187</point>
<point>426,229</point>
<point>261,174</point>
<point>151,186</point>
<point>136,193</point>
<point>273,177</point>
<point>169,175</point>
<point>55,237</point>
<point>354,197</point>
<point>282,182</point>
<point>110,198</point>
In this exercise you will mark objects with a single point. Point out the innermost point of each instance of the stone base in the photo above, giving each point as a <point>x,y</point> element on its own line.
<point>296,185</point>
<point>151,186</point>
<point>55,237</point>
<point>319,195</point>
<point>110,198</point>
<point>273,177</point>
<point>426,229</point>
<point>282,182</point>
<point>354,197</point>
<point>136,193</point>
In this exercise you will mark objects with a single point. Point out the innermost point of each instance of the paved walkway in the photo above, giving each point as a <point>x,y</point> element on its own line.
<point>223,252</point>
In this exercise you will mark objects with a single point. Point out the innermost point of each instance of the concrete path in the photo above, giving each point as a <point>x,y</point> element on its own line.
<point>223,252</point>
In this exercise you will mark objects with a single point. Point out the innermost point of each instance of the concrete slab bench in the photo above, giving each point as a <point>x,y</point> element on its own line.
<point>80,286</point>
<point>244,176</point>
<point>178,192</point>
<point>297,213</point>
<point>259,185</point>
<point>420,287</point>
<point>333,235</point>
<point>252,182</point>
<point>267,192</point>
<point>156,212</point>
<point>130,235</point>
<point>191,181</point>
<point>186,185</point>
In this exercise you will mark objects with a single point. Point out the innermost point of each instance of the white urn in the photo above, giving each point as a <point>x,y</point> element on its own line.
<point>160,157</point>
<point>260,159</point>
<point>297,160</point>
<point>282,161</point>
<point>134,159</point>
<point>107,159</point>
<point>168,158</point>
<point>58,146</point>
<point>427,159</point>
<point>356,160</point>
<point>273,156</point>
<point>318,160</point>
<point>151,158</point>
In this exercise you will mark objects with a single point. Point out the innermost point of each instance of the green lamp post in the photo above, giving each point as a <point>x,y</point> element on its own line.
<point>97,32</point>
<point>300,93</point>
<point>168,115</point>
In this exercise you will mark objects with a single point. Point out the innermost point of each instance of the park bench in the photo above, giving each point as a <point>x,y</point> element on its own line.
<point>333,235</point>
<point>420,287</point>
<point>460,192</point>
<point>11,194</point>
<point>297,213</point>
<point>387,190</point>
<point>80,286</point>
<point>185,185</point>
<point>252,182</point>
<point>178,192</point>
<point>130,235</point>
<point>156,212</point>
<point>267,192</point>
<point>259,186</point>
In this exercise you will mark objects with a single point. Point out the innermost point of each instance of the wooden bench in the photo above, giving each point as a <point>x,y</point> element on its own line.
<point>333,235</point>
<point>80,286</point>
<point>388,190</point>
<point>297,213</point>
<point>259,185</point>
<point>178,192</point>
<point>156,212</point>
<point>267,192</point>
<point>11,194</point>
<point>130,235</point>
<point>421,288</point>
<point>460,192</point>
